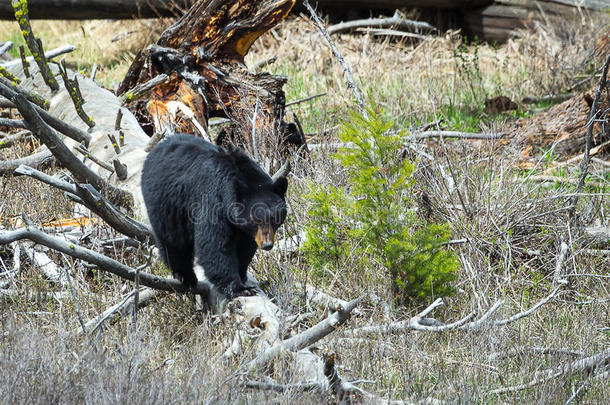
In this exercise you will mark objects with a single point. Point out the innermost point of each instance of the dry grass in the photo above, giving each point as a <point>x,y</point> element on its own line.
<point>172,355</point>
<point>110,44</point>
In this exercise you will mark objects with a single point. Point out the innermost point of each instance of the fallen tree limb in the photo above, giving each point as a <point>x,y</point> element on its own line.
<point>421,323</point>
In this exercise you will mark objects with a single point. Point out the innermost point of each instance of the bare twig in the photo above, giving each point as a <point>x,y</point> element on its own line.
<point>264,62</point>
<point>142,89</point>
<point>535,350</point>
<point>348,73</point>
<point>585,365</point>
<point>73,90</point>
<point>528,312</point>
<point>453,134</point>
<point>114,143</point>
<point>123,307</point>
<point>303,100</point>
<point>82,150</point>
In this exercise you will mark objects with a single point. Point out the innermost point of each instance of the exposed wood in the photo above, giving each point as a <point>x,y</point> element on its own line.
<point>203,56</point>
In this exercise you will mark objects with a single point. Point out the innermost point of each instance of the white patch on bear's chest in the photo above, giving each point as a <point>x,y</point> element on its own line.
<point>199,271</point>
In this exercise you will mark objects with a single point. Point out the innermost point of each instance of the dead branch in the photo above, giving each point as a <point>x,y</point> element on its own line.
<point>586,365</point>
<point>63,154</point>
<point>536,350</point>
<point>93,200</point>
<point>454,134</point>
<point>5,47</point>
<point>396,22</point>
<point>53,53</point>
<point>36,160</point>
<point>73,90</point>
<point>421,323</point>
<point>272,386</point>
<point>528,312</point>
<point>105,263</point>
<point>142,89</point>
<point>11,123</point>
<point>25,65</point>
<point>5,74</point>
<point>10,140</point>
<point>303,100</point>
<point>35,45</point>
<point>83,151</point>
<point>30,95</point>
<point>145,296</point>
<point>558,274</point>
<point>42,261</point>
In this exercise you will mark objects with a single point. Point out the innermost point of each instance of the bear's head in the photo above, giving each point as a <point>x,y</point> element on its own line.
<point>260,205</point>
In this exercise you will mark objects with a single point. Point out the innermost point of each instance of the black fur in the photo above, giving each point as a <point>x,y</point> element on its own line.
<point>205,203</point>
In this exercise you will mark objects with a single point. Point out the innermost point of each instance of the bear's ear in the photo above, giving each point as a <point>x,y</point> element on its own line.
<point>280,186</point>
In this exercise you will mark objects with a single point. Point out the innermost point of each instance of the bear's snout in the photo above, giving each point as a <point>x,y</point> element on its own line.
<point>264,237</point>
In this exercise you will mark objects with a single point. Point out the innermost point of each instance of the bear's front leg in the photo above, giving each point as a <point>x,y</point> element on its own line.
<point>221,268</point>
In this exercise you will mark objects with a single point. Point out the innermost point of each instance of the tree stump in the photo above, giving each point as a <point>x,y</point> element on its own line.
<point>203,56</point>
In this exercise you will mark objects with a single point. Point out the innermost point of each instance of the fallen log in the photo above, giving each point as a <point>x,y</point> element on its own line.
<point>128,9</point>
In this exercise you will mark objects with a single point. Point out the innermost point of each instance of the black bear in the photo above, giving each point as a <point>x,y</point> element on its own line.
<point>210,207</point>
